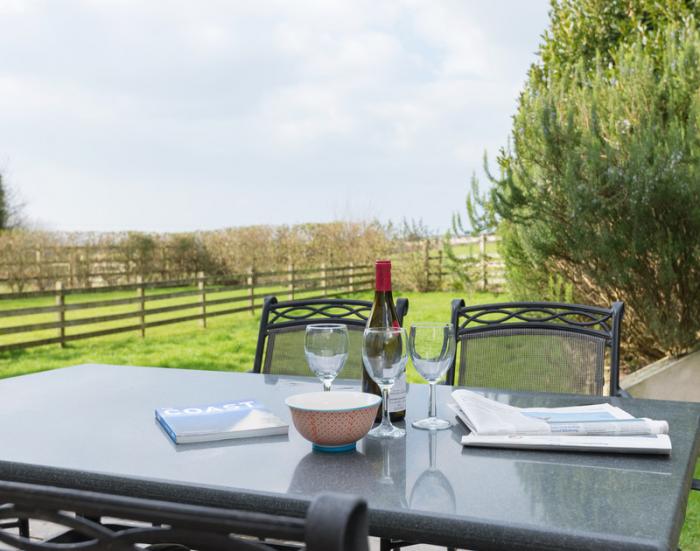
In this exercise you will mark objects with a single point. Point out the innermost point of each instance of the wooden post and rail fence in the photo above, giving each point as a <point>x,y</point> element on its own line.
<point>487,269</point>
<point>146,304</point>
<point>204,297</point>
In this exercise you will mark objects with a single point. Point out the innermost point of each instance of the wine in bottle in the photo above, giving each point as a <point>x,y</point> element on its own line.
<point>383,314</point>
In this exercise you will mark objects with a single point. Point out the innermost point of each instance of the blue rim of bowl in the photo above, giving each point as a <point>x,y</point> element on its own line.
<point>379,401</point>
<point>334,449</point>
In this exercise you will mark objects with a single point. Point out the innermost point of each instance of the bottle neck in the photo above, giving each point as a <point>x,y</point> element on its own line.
<point>383,277</point>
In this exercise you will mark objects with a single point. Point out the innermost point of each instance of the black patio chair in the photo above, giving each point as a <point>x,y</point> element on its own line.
<point>333,522</point>
<point>537,346</point>
<point>280,347</point>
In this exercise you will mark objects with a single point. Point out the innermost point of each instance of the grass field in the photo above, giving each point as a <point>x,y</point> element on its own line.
<point>228,344</point>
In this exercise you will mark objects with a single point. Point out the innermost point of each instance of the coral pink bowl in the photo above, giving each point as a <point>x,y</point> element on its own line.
<point>333,421</point>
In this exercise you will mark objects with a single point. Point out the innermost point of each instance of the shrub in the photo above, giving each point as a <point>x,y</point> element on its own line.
<point>83,259</point>
<point>413,245</point>
<point>138,253</point>
<point>601,186</point>
<point>186,255</point>
<point>25,259</point>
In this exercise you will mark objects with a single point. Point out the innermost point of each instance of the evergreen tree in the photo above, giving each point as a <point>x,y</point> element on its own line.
<point>601,185</point>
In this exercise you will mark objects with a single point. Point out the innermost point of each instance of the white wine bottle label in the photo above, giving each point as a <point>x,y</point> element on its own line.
<point>397,397</point>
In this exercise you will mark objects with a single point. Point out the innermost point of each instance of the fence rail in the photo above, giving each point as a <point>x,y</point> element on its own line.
<point>244,296</point>
<point>488,268</point>
<point>491,274</point>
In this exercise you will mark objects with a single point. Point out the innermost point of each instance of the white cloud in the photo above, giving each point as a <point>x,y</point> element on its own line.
<point>452,28</point>
<point>299,115</point>
<point>241,101</point>
<point>14,7</point>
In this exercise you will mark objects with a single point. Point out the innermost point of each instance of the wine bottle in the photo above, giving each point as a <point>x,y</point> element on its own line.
<point>383,314</point>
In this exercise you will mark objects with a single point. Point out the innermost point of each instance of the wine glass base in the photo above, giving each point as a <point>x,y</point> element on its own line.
<point>432,423</point>
<point>386,432</point>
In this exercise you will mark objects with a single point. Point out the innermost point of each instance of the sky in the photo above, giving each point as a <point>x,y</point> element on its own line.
<point>168,115</point>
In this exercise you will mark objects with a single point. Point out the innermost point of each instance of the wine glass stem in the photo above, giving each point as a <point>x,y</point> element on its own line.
<point>327,385</point>
<point>432,409</point>
<point>386,420</point>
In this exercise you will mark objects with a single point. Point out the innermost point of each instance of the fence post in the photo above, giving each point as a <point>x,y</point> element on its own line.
<point>351,277</point>
<point>71,269</point>
<point>290,279</point>
<point>165,264</point>
<point>61,303</point>
<point>427,264</point>
<point>141,293</point>
<point>39,270</point>
<point>202,299</point>
<point>484,261</point>
<point>84,260</point>
<point>440,270</point>
<point>324,281</point>
<point>251,289</point>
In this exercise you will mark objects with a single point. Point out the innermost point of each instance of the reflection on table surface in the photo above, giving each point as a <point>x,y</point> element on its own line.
<point>432,490</point>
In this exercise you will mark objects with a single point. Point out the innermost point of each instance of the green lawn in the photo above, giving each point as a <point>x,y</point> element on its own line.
<point>227,344</point>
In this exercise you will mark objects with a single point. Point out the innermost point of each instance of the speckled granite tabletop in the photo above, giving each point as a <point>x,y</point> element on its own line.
<point>92,427</point>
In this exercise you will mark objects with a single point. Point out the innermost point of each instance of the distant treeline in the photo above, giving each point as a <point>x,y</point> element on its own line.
<point>38,259</point>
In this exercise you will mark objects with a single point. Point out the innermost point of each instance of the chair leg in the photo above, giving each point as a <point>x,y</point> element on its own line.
<point>23,525</point>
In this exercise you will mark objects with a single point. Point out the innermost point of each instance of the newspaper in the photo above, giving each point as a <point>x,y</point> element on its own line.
<point>598,427</point>
<point>651,444</point>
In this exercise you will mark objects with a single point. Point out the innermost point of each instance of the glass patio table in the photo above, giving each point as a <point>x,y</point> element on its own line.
<point>92,427</point>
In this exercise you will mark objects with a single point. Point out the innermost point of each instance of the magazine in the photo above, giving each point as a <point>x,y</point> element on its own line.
<point>598,427</point>
<point>219,421</point>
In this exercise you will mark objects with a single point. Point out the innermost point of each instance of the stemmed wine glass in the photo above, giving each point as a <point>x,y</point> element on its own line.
<point>326,349</point>
<point>432,347</point>
<point>385,353</point>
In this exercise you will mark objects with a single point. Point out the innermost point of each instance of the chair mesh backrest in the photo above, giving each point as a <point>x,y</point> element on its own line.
<point>527,359</point>
<point>538,346</point>
<point>284,354</point>
<point>282,333</point>
<point>280,349</point>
